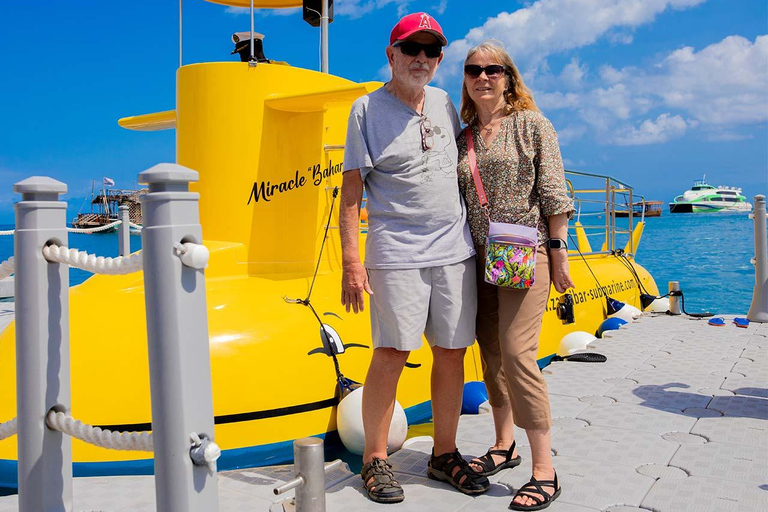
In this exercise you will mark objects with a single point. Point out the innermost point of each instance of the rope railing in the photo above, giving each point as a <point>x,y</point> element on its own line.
<point>92,263</point>
<point>132,441</point>
<point>7,232</point>
<point>135,226</point>
<point>95,230</point>
<point>6,268</point>
<point>8,429</point>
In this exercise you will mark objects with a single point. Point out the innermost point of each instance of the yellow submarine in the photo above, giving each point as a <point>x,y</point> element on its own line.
<point>270,161</point>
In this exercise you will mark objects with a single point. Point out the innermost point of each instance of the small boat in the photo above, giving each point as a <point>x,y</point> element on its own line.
<point>703,197</point>
<point>640,208</point>
<point>104,208</point>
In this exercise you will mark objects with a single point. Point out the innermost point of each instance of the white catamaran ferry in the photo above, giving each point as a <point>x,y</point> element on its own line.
<point>703,197</point>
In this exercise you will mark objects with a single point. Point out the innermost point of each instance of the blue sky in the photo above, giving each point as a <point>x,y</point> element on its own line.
<point>653,92</point>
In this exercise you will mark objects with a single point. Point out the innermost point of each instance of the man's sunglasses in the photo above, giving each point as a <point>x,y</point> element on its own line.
<point>492,71</point>
<point>432,51</point>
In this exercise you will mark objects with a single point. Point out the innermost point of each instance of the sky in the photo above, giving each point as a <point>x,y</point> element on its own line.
<point>655,93</point>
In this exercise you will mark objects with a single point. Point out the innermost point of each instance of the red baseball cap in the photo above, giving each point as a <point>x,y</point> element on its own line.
<point>417,22</point>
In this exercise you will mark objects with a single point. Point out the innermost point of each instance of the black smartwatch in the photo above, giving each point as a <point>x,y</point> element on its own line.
<point>557,243</point>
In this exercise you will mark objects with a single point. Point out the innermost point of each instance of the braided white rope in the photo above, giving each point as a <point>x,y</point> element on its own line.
<point>9,232</point>
<point>134,441</point>
<point>8,429</point>
<point>91,262</point>
<point>135,226</point>
<point>6,268</point>
<point>94,230</point>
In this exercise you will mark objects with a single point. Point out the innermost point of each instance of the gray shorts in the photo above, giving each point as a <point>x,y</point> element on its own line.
<point>439,303</point>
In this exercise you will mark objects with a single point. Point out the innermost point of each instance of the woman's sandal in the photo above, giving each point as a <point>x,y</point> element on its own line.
<point>534,490</point>
<point>489,465</point>
<point>465,479</point>
<point>383,488</point>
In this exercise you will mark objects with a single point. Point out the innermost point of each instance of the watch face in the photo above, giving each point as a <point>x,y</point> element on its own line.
<point>556,243</point>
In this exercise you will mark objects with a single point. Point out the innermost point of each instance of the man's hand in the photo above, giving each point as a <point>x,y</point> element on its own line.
<point>560,275</point>
<point>354,281</point>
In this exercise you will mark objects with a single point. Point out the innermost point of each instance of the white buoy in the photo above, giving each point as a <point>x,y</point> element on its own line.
<point>627,313</point>
<point>660,305</point>
<point>349,422</point>
<point>574,341</point>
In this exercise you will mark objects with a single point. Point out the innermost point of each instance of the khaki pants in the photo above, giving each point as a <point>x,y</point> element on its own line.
<point>508,327</point>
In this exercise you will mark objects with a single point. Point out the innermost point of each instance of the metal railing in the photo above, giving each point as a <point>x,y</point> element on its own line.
<point>607,196</point>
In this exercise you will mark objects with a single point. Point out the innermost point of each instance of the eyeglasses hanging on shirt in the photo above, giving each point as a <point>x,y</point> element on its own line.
<point>427,133</point>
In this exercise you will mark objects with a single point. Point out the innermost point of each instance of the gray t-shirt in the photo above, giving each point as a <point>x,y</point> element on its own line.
<point>416,215</point>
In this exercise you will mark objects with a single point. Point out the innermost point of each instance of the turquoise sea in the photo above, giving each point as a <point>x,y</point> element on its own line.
<point>708,253</point>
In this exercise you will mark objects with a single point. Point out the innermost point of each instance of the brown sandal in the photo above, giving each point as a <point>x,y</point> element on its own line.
<point>383,488</point>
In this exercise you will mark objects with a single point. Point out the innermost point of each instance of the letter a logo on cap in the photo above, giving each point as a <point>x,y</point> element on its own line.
<point>425,21</point>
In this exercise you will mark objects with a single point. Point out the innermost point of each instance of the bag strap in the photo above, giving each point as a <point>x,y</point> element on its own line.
<point>473,167</point>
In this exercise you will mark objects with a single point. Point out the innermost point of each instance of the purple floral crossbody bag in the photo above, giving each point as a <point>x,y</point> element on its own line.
<point>510,249</point>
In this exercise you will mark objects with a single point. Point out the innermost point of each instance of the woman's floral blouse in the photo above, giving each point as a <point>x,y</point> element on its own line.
<point>525,146</point>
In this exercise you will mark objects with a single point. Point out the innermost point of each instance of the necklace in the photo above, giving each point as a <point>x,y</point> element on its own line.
<point>487,129</point>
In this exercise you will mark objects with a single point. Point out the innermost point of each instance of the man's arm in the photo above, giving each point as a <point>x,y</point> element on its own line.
<point>354,278</point>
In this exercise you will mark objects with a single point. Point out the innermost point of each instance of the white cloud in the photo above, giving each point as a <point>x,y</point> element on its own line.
<point>573,74</point>
<point>664,128</point>
<point>716,89</point>
<point>441,7</point>
<point>547,27</point>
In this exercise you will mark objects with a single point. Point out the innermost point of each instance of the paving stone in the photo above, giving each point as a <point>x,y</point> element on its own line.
<point>741,406</point>
<point>562,406</point>
<point>742,431</point>
<point>626,447</point>
<point>749,369</point>
<point>697,494</point>
<point>576,385</point>
<point>698,412</point>
<point>660,471</point>
<point>693,378</point>
<point>596,400</point>
<point>569,423</point>
<point>637,417</point>
<point>714,392</point>
<point>622,508</point>
<point>421,494</point>
<point>592,484</point>
<point>724,461</point>
<point>683,438</point>
<point>746,386</point>
<point>670,396</point>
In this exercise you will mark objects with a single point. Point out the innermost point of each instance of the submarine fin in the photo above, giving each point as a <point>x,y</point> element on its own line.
<point>319,100</point>
<point>150,122</point>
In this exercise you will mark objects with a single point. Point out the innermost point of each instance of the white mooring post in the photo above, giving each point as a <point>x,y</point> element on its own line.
<point>124,230</point>
<point>42,347</point>
<point>177,335</point>
<point>758,311</point>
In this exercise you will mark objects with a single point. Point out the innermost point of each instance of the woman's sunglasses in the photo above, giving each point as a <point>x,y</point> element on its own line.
<point>492,71</point>
<point>411,49</point>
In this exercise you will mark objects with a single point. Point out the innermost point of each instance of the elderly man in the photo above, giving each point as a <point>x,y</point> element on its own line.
<point>419,258</point>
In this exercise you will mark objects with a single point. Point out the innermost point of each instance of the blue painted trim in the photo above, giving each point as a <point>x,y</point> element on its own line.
<point>249,457</point>
<point>419,413</point>
<point>544,361</point>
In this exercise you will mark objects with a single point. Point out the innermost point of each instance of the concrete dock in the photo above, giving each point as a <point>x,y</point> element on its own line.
<point>675,420</point>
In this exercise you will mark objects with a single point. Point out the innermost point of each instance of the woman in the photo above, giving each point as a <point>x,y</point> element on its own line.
<point>521,170</point>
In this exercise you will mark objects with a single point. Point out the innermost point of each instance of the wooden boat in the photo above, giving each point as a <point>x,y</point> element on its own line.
<point>106,204</point>
<point>640,208</point>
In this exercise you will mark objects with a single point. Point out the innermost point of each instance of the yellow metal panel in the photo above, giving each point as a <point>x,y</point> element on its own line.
<point>582,239</point>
